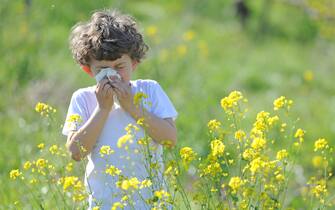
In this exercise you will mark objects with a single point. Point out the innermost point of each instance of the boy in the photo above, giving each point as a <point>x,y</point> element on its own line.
<point>111,40</point>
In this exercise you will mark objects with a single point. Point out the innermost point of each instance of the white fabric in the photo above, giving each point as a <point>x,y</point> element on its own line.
<point>106,72</point>
<point>83,103</point>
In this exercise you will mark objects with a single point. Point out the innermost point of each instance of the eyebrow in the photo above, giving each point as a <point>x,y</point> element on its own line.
<point>105,66</point>
<point>119,64</point>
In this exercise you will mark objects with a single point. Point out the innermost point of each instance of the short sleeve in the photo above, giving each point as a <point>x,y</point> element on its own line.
<point>76,114</point>
<point>161,105</point>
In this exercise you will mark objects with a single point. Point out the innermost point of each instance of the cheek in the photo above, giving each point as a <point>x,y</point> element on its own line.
<point>123,75</point>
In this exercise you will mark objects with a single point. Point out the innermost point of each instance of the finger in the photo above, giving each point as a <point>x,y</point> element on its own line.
<point>115,85</point>
<point>106,88</point>
<point>101,84</point>
<point>110,92</point>
<point>121,87</point>
<point>118,93</point>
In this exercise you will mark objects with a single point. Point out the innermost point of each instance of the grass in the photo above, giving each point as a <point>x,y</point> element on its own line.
<point>36,65</point>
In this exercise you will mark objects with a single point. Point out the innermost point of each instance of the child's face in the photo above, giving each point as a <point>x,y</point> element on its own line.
<point>124,66</point>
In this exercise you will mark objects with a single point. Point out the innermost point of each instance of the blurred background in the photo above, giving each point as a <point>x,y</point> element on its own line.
<point>199,52</point>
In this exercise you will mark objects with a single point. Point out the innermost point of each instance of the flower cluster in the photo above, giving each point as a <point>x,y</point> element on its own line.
<point>44,109</point>
<point>242,168</point>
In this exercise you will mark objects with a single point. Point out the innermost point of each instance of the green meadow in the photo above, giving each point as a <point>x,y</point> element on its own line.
<point>199,52</point>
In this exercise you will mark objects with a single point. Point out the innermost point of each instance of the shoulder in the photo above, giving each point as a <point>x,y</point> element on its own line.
<point>145,85</point>
<point>84,93</point>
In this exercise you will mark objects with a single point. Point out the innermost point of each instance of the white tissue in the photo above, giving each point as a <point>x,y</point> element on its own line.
<point>107,72</point>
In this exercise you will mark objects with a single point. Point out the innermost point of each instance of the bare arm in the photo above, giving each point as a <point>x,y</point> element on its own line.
<point>163,131</point>
<point>88,135</point>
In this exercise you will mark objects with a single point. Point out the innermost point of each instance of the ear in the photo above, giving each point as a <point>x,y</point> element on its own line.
<point>87,70</point>
<point>134,64</point>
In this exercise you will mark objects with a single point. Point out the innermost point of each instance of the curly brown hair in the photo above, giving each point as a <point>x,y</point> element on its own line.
<point>107,36</point>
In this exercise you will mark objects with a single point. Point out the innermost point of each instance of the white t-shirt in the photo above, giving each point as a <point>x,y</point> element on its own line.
<point>102,185</point>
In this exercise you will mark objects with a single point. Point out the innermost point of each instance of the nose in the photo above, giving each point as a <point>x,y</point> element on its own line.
<point>115,77</point>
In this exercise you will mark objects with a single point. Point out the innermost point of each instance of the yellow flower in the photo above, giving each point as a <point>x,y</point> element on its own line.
<point>273,120</point>
<point>131,184</point>
<point>214,189</point>
<point>41,163</point>
<point>249,154</point>
<point>231,101</point>
<point>188,36</point>
<point>69,167</point>
<point>282,154</point>
<point>261,124</point>
<point>74,118</point>
<point>243,204</point>
<point>282,127</point>
<point>212,169</point>
<point>140,121</point>
<point>256,164</point>
<point>282,102</point>
<point>213,125</point>
<point>123,140</point>
<point>240,135</point>
<point>279,102</point>
<point>40,146</point>
<point>74,121</point>
<point>117,205</point>
<point>142,141</point>
<point>319,189</point>
<point>53,149</point>
<point>44,109</point>
<point>145,183</point>
<point>78,197</point>
<point>130,127</point>
<point>106,150</point>
<point>33,181</point>
<point>320,144</point>
<point>70,181</point>
<point>27,165</point>
<point>139,97</point>
<point>187,154</point>
<point>113,171</point>
<point>235,183</point>
<point>96,208</point>
<point>299,133</point>
<point>280,177</point>
<point>217,148</point>
<point>161,194</point>
<point>258,143</point>
<point>151,31</point>
<point>125,198</point>
<point>14,174</point>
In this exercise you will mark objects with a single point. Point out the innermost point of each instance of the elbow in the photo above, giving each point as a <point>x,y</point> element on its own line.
<point>171,142</point>
<point>75,157</point>
<point>173,138</point>
<point>73,151</point>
